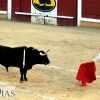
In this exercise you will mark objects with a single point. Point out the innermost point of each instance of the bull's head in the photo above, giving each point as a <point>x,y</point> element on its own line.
<point>40,57</point>
<point>44,56</point>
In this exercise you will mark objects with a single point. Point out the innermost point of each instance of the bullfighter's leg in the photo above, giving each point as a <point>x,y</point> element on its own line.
<point>25,72</point>
<point>22,73</point>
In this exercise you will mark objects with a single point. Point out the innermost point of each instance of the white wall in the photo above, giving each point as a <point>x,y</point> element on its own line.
<point>9,5</point>
<point>39,18</point>
<point>79,11</point>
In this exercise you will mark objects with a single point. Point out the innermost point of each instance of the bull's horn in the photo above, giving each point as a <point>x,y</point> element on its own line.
<point>47,51</point>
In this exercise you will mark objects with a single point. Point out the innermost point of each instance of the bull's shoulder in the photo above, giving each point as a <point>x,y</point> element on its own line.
<point>4,47</point>
<point>20,47</point>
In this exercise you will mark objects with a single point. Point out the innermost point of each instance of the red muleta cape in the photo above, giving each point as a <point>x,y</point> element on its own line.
<point>86,73</point>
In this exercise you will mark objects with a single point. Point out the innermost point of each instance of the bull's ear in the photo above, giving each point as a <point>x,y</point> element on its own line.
<point>47,51</point>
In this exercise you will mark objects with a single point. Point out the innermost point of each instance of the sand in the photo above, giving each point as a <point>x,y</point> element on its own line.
<point>69,47</point>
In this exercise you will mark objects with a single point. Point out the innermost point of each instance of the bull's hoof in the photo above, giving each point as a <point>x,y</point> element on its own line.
<point>21,81</point>
<point>26,79</point>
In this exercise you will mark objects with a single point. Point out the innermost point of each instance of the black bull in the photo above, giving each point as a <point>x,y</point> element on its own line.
<point>23,58</point>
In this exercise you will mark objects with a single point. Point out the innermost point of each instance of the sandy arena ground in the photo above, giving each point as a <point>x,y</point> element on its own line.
<point>69,47</point>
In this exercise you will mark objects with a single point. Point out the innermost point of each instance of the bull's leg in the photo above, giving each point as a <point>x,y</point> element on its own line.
<point>22,73</point>
<point>7,68</point>
<point>25,72</point>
